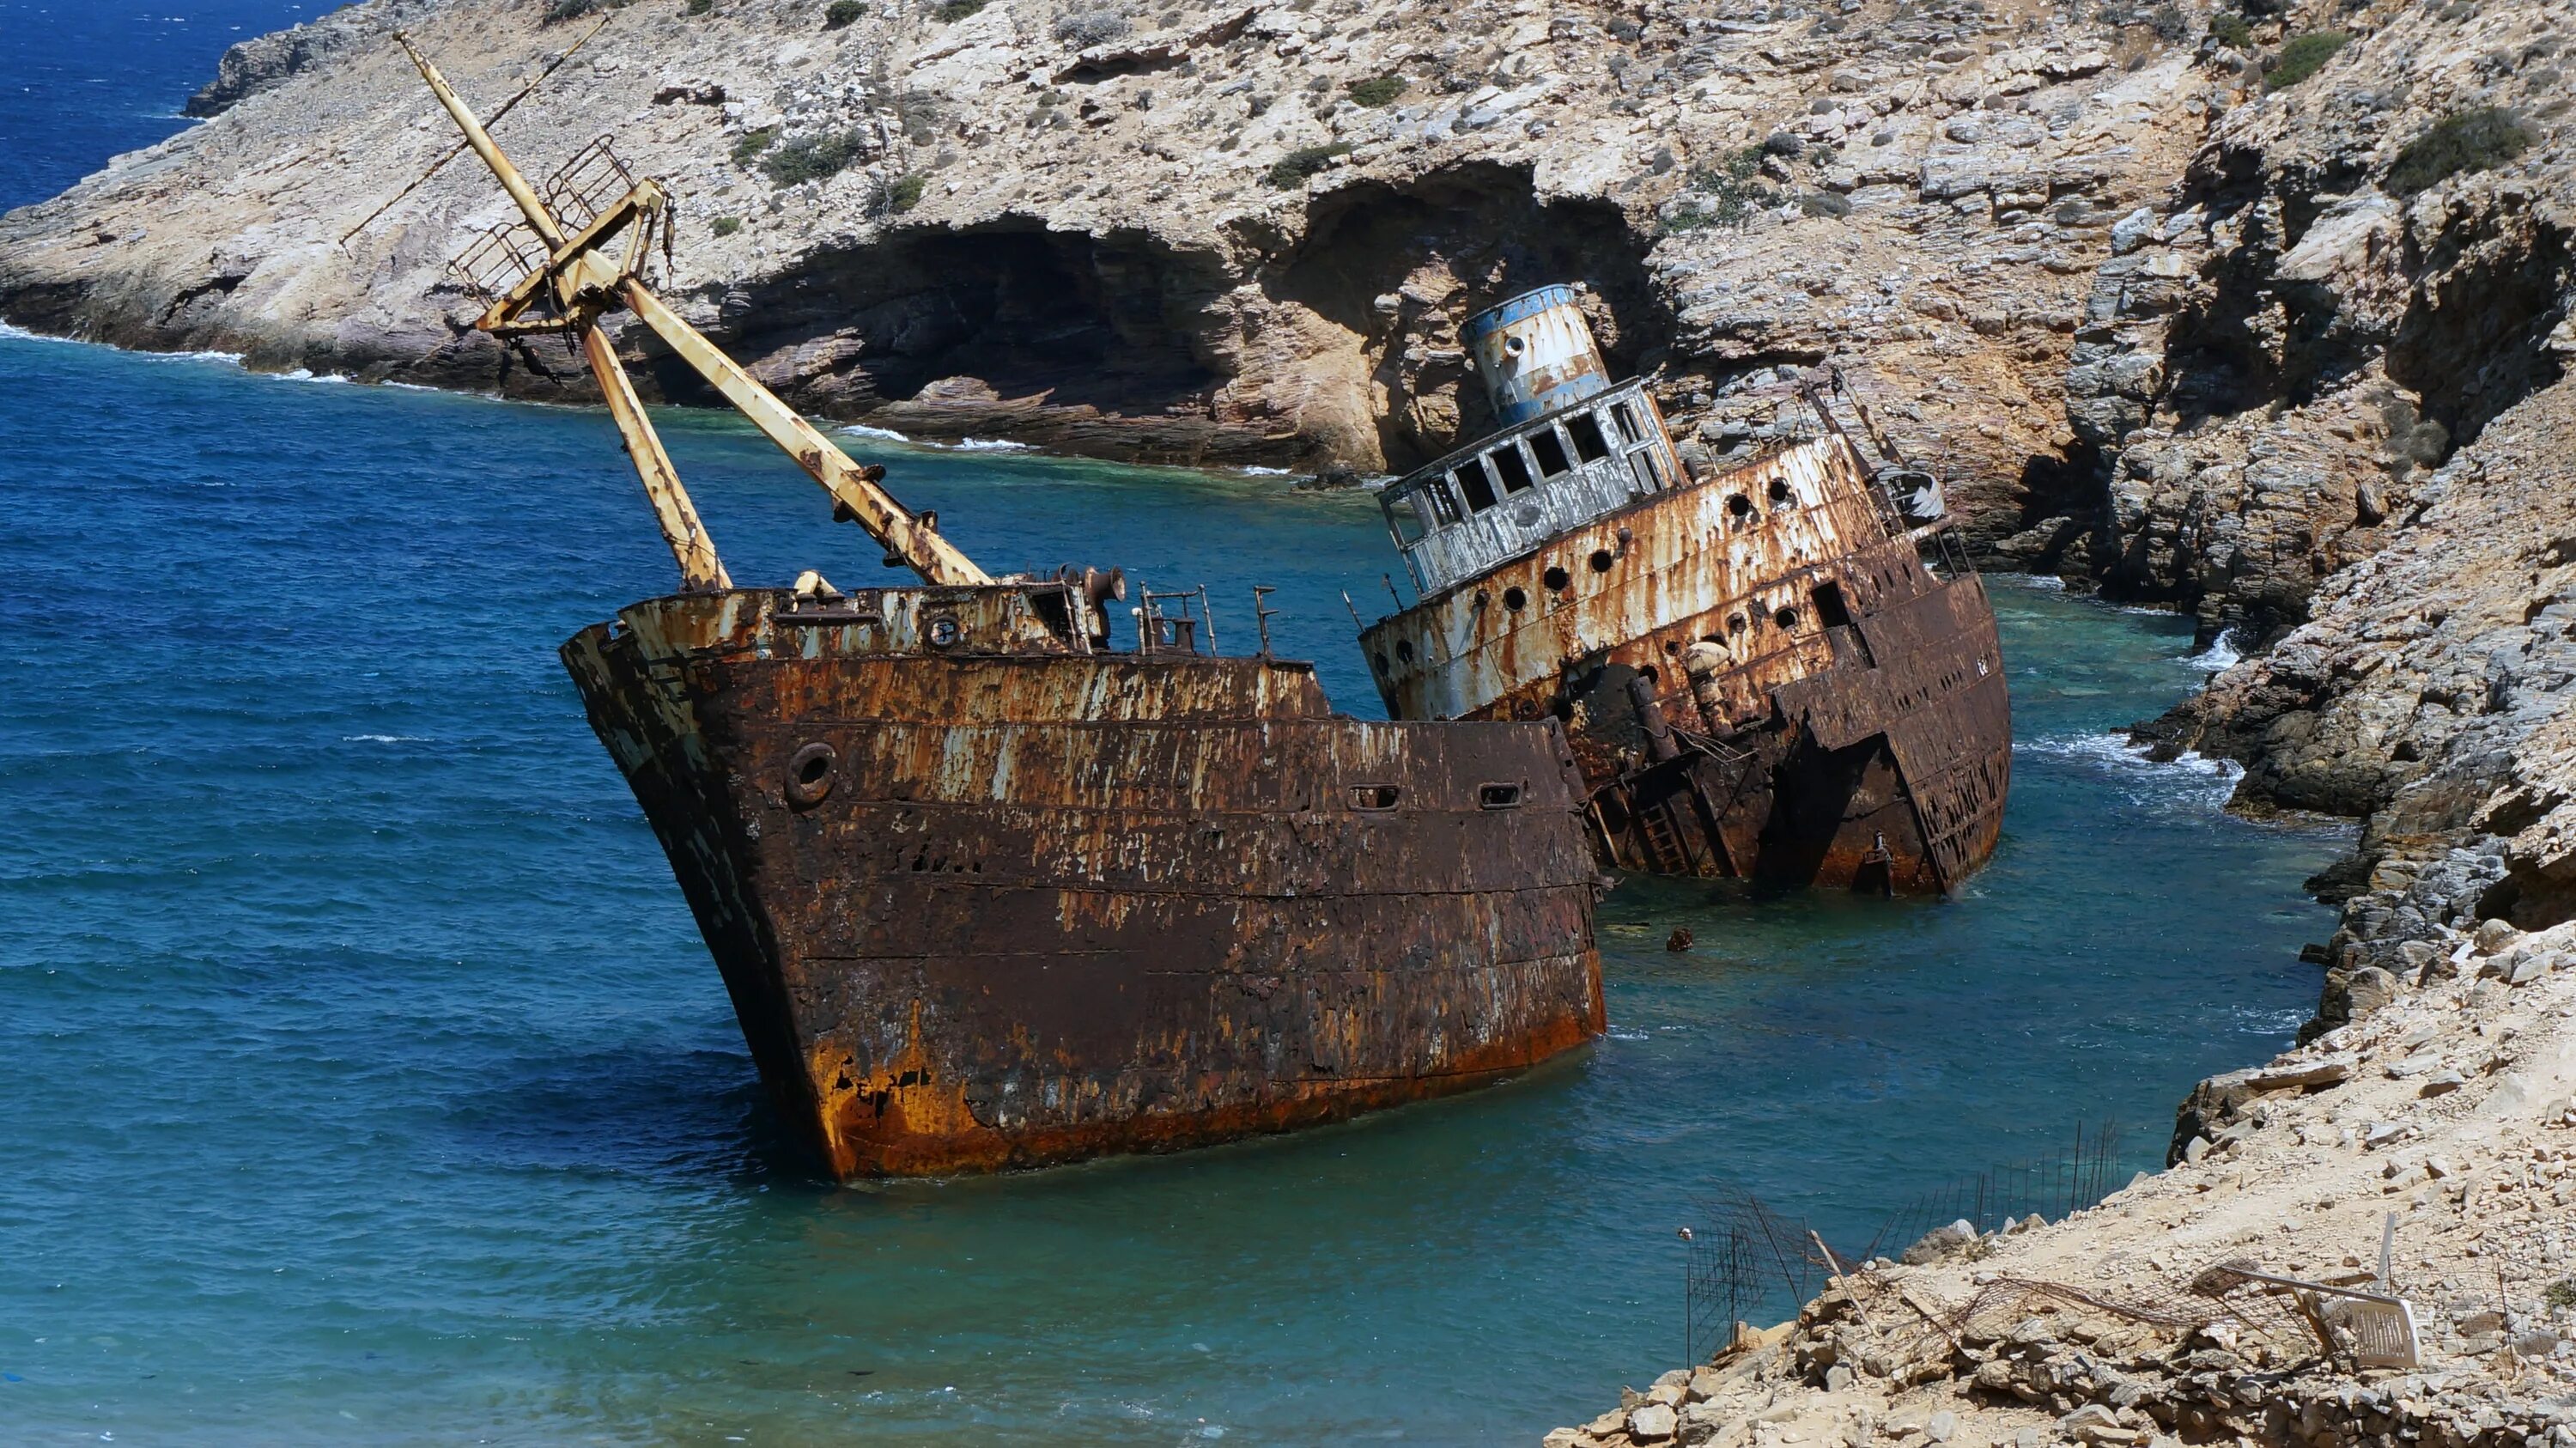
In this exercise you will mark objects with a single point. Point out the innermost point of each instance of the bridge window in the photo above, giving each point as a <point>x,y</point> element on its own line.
<point>1627,421</point>
<point>1404,515</point>
<point>1499,796</point>
<point>1650,474</point>
<point>1513,467</point>
<point>1478,488</point>
<point>1549,452</point>
<point>1375,796</point>
<point>1589,444</point>
<point>1444,503</point>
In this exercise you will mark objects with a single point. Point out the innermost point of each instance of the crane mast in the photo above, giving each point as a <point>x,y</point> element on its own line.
<point>580,279</point>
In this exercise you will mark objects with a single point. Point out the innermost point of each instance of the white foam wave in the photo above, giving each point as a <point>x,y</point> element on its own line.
<point>990,444</point>
<point>2191,774</point>
<point>384,739</point>
<point>2044,582</point>
<point>2221,654</point>
<point>307,374</point>
<point>885,434</point>
<point>1263,472</point>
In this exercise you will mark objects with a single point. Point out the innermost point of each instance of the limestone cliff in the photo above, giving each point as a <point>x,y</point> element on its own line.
<point>1212,232</point>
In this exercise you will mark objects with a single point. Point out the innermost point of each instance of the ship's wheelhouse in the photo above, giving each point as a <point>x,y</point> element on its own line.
<point>1509,494</point>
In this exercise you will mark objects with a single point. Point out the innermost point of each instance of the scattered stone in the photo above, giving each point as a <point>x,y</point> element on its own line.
<point>1652,1423</point>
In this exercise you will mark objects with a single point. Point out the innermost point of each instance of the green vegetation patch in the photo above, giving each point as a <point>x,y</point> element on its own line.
<point>2231,30</point>
<point>2304,56</point>
<point>905,193</point>
<point>948,11</point>
<point>748,146</point>
<point>727,225</point>
<point>2561,1294</point>
<point>1728,193</point>
<point>841,13</point>
<point>1083,29</point>
<point>1293,168</point>
<point>1824,203</point>
<point>811,158</point>
<point>2478,140</point>
<point>1377,90</point>
<point>702,7</point>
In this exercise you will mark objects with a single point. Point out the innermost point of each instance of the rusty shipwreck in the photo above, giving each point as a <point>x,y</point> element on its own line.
<point>988,891</point>
<point>1784,670</point>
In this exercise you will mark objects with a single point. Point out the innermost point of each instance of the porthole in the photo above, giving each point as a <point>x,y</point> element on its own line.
<point>942,632</point>
<point>1404,650</point>
<point>1498,796</point>
<point>1651,674</point>
<point>1375,796</point>
<point>809,775</point>
<point>1786,618</point>
<point>1515,599</point>
<point>1740,506</point>
<point>1556,579</point>
<point>1601,560</point>
<point>1735,623</point>
<point>1672,647</point>
<point>1779,490</point>
<point>1380,659</point>
<point>1717,639</point>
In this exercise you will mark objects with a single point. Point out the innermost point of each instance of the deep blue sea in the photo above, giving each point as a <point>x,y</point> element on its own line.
<point>363,1079</point>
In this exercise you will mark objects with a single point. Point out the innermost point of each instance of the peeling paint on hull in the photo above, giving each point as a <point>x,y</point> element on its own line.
<point>1040,904</point>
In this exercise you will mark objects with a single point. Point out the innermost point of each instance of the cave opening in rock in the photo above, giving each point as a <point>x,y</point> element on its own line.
<point>999,312</point>
<point>1394,267</point>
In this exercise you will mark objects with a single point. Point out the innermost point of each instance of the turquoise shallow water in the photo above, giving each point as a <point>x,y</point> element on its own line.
<point>362,1079</point>
<point>366,1080</point>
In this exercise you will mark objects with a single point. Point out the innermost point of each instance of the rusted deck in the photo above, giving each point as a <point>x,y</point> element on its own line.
<point>1760,675</point>
<point>994,902</point>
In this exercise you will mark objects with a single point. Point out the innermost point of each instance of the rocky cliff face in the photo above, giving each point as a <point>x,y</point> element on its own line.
<point>2332,415</point>
<point>1202,232</point>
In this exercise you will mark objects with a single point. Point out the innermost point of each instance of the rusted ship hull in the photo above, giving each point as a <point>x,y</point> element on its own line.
<point>987,910</point>
<point>1760,675</point>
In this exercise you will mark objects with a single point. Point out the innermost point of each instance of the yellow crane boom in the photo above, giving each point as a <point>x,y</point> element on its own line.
<point>585,282</point>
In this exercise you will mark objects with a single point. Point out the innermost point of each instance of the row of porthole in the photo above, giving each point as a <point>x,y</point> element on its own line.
<point>1739,505</point>
<point>1785,619</point>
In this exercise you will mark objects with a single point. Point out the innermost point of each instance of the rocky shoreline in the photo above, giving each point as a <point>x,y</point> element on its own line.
<point>2448,1102</point>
